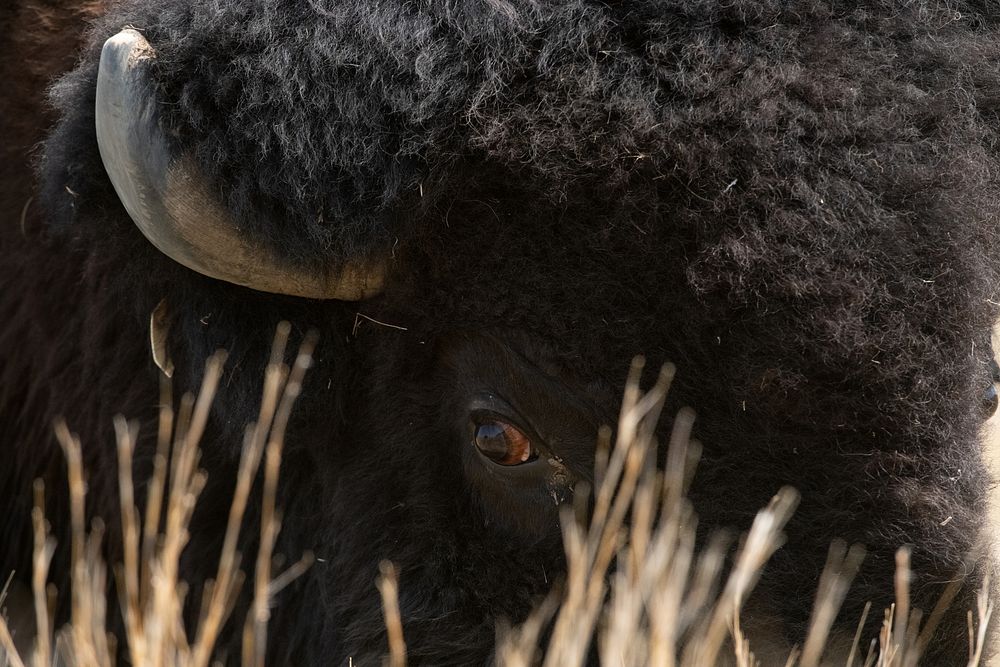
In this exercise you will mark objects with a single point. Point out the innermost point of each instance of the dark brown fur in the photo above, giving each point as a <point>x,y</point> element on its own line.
<point>795,202</point>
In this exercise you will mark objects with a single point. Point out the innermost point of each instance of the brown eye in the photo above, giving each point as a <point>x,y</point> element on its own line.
<point>503,444</point>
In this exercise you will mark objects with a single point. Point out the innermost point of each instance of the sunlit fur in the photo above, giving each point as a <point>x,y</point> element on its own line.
<point>795,202</point>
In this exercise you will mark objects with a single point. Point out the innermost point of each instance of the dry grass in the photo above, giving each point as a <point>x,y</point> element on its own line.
<point>636,591</point>
<point>152,594</point>
<point>640,590</point>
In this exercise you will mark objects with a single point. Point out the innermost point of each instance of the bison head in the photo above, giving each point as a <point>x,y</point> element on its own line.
<point>487,210</point>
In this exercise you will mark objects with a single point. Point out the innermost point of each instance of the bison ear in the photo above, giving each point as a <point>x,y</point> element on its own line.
<point>159,331</point>
<point>173,204</point>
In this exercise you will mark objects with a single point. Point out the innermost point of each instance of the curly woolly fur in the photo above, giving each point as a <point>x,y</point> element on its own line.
<point>796,202</point>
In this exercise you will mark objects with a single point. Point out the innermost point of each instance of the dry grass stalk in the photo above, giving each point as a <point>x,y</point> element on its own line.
<point>977,636</point>
<point>8,651</point>
<point>44,548</point>
<point>255,629</point>
<point>388,585</point>
<point>856,644</point>
<point>841,566</point>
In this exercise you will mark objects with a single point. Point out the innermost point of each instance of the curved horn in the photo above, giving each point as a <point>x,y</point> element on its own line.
<point>171,203</point>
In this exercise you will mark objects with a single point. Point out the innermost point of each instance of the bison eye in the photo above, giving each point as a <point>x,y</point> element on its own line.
<point>503,444</point>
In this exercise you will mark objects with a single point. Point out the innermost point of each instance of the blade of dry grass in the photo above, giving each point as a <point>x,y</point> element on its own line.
<point>9,656</point>
<point>857,635</point>
<point>264,590</point>
<point>984,610</point>
<point>43,550</point>
<point>388,586</point>
<point>842,565</point>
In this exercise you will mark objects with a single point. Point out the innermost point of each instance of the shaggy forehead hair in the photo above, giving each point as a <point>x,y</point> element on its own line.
<point>322,118</point>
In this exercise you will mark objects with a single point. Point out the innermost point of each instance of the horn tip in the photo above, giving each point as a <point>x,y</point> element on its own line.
<point>128,44</point>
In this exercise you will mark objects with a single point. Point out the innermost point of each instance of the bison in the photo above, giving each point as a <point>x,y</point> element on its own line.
<point>486,209</point>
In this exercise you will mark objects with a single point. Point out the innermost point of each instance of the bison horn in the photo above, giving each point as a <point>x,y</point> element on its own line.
<point>170,201</point>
